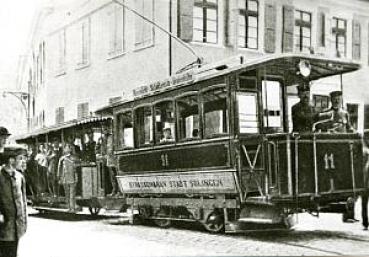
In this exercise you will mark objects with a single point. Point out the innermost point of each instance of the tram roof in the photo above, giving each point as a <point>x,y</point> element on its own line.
<point>54,128</point>
<point>276,64</point>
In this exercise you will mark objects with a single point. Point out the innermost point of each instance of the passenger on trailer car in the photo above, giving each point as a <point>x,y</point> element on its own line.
<point>67,176</point>
<point>89,153</point>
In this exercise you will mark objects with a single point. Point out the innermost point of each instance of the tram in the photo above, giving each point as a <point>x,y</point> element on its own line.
<point>213,146</point>
<point>93,187</point>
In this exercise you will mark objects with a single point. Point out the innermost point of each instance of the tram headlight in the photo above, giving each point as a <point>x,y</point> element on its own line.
<point>304,68</point>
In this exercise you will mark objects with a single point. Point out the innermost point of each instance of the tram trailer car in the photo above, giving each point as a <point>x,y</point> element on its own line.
<point>230,162</point>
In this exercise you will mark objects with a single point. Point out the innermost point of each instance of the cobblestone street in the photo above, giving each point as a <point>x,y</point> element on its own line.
<point>78,236</point>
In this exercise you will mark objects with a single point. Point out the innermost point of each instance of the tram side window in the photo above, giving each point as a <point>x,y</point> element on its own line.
<point>188,117</point>
<point>144,126</point>
<point>125,130</point>
<point>247,111</point>
<point>215,112</point>
<point>272,102</point>
<point>164,122</point>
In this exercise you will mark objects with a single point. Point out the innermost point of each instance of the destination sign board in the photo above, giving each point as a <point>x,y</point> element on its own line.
<point>189,183</point>
<point>165,84</point>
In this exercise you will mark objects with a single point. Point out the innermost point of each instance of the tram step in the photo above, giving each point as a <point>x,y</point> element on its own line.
<point>256,220</point>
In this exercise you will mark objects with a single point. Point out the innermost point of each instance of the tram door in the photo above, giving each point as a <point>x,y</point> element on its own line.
<point>258,176</point>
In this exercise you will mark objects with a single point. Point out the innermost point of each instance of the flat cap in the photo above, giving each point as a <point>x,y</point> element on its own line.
<point>303,88</point>
<point>4,132</point>
<point>335,93</point>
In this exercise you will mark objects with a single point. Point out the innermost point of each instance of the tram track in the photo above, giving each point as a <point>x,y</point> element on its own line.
<point>292,239</point>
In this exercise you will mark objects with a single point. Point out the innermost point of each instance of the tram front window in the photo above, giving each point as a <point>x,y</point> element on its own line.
<point>247,112</point>
<point>215,112</point>
<point>188,117</point>
<point>125,130</point>
<point>164,122</point>
<point>272,103</point>
<point>144,127</point>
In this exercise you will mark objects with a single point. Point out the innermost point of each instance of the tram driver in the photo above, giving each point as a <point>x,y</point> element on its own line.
<point>303,113</point>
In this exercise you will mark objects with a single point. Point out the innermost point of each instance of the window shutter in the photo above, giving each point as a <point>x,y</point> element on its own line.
<point>111,29</point>
<point>270,27</point>
<point>59,115</point>
<point>139,23</point>
<point>82,110</point>
<point>185,19</point>
<point>356,44</point>
<point>119,16</point>
<point>148,28</point>
<point>321,29</point>
<point>230,17</point>
<point>288,27</point>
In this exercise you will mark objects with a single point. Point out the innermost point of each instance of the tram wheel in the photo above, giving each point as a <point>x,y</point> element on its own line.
<point>214,223</point>
<point>163,223</point>
<point>94,210</point>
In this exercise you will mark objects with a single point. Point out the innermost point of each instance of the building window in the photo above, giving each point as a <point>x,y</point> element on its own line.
<point>125,130</point>
<point>302,31</point>
<point>339,30</point>
<point>188,117</point>
<point>144,30</point>
<point>205,21</point>
<point>116,30</point>
<point>248,24</point>
<point>321,102</point>
<point>84,43</point>
<point>82,110</point>
<point>61,52</point>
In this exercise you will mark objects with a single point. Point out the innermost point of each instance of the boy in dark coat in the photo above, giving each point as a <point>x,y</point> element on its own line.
<point>13,204</point>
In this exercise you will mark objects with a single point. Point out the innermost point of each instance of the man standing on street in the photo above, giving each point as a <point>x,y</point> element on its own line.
<point>13,204</point>
<point>4,134</point>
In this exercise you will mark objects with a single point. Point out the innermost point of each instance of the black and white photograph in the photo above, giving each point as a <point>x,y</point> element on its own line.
<point>184,128</point>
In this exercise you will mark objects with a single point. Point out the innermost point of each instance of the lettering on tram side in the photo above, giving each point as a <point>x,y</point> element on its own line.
<point>170,82</point>
<point>217,182</point>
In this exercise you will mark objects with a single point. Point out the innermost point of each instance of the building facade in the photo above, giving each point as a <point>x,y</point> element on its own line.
<point>85,54</point>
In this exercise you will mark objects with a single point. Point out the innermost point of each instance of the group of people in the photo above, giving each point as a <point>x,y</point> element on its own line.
<point>306,119</point>
<point>55,165</point>
<point>336,119</point>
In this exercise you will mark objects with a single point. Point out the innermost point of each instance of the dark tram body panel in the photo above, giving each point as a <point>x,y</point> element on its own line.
<point>316,165</point>
<point>188,157</point>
